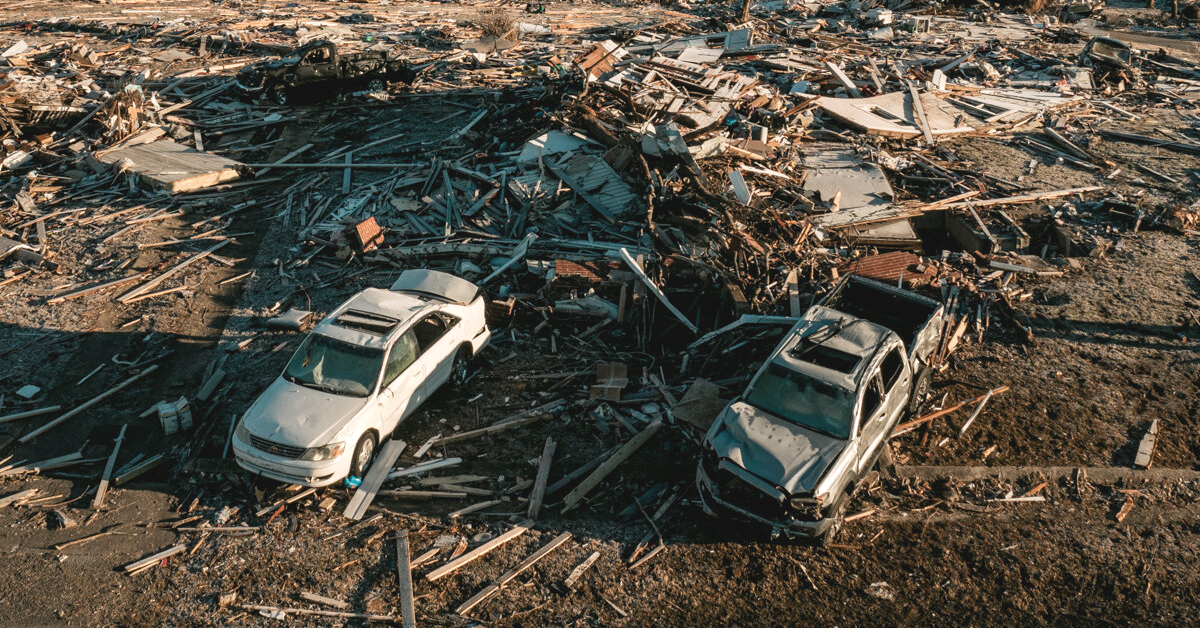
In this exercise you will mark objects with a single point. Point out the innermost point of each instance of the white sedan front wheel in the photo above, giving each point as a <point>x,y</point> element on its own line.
<point>363,452</point>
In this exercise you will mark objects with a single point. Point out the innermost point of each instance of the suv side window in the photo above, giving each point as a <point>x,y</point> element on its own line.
<point>891,368</point>
<point>432,327</point>
<point>872,399</point>
<point>403,353</point>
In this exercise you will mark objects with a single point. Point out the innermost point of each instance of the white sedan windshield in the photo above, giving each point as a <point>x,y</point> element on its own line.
<point>335,366</point>
<point>804,401</point>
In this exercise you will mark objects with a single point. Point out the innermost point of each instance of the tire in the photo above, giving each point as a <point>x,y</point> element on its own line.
<point>460,371</point>
<point>839,518</point>
<point>364,451</point>
<point>376,85</point>
<point>921,383</point>
<point>279,95</point>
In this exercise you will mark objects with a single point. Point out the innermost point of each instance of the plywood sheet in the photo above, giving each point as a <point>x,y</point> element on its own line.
<point>165,165</point>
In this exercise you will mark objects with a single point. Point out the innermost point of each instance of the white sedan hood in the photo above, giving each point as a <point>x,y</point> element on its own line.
<point>291,414</point>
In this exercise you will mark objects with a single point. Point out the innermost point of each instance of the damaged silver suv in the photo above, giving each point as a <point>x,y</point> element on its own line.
<point>791,450</point>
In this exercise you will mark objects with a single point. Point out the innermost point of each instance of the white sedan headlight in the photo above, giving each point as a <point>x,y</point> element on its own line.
<point>241,432</point>
<point>328,452</point>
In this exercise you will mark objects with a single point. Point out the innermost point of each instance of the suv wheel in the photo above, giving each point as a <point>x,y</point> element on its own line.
<point>460,371</point>
<point>376,85</point>
<point>839,518</point>
<point>364,451</point>
<point>920,389</point>
<point>279,96</point>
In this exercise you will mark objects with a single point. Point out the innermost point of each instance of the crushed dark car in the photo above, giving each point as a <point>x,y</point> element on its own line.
<point>319,68</point>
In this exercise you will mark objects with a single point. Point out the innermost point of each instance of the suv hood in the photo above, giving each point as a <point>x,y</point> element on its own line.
<point>776,450</point>
<point>291,414</point>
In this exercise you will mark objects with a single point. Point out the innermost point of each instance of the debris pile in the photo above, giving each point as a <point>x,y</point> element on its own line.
<point>648,206</point>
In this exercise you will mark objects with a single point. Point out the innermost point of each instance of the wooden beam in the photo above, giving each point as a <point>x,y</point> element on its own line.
<point>479,552</point>
<point>98,500</point>
<point>306,611</point>
<point>910,425</point>
<point>154,558</point>
<point>920,109</point>
<point>843,79</point>
<point>543,475</point>
<point>29,413</point>
<point>178,267</point>
<point>408,614</point>
<point>637,270</point>
<point>378,472</point>
<point>579,492</point>
<point>91,402</point>
<point>524,417</point>
<point>494,588</point>
<point>577,572</point>
<point>96,288</point>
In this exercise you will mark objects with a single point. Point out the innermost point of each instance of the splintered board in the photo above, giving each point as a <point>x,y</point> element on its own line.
<point>165,165</point>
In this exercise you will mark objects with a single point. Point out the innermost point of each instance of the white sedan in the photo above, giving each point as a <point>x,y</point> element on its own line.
<point>361,371</point>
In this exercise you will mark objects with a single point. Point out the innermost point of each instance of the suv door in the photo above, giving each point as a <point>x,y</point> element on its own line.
<point>889,384</point>
<point>317,66</point>
<point>403,381</point>
<point>872,420</point>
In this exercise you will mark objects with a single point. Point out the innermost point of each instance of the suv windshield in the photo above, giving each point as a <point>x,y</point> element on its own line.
<point>335,366</point>
<point>804,401</point>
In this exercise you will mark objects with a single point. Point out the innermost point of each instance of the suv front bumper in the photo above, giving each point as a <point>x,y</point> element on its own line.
<point>715,506</point>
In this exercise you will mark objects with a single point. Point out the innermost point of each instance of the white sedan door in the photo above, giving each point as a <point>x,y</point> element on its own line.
<point>403,386</point>
<point>439,344</point>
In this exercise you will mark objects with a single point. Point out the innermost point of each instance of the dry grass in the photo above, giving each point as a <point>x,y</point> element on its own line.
<point>495,22</point>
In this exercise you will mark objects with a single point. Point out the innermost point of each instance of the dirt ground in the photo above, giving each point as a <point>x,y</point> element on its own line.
<point>1116,344</point>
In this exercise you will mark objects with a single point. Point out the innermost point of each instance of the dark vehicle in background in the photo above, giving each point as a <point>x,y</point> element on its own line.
<point>319,69</point>
<point>789,452</point>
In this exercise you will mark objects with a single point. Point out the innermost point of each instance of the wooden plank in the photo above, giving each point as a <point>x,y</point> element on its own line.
<point>321,599</point>
<point>378,472</point>
<point>543,475</point>
<point>579,492</point>
<point>306,611</point>
<point>578,571</point>
<point>98,500</point>
<point>29,413</point>
<point>910,425</point>
<point>495,587</point>
<point>479,552</point>
<point>91,402</point>
<point>18,496</point>
<point>154,558</point>
<point>346,173</point>
<point>96,288</point>
<point>408,614</point>
<point>1026,198</point>
<point>142,289</point>
<point>581,471</point>
<point>637,269</point>
<point>1145,452</point>
<point>843,79</point>
<point>525,417</point>
<point>921,120</point>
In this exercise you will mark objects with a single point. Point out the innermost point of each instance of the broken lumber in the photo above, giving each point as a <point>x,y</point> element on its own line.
<point>29,413</point>
<point>590,482</point>
<point>375,476</point>
<point>1145,452</point>
<point>305,611</point>
<point>142,289</point>
<point>495,587</point>
<point>573,578</point>
<point>913,424</point>
<point>478,552</point>
<point>87,404</point>
<point>98,500</point>
<point>637,270</point>
<point>404,578</point>
<point>543,475</point>
<point>154,558</point>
